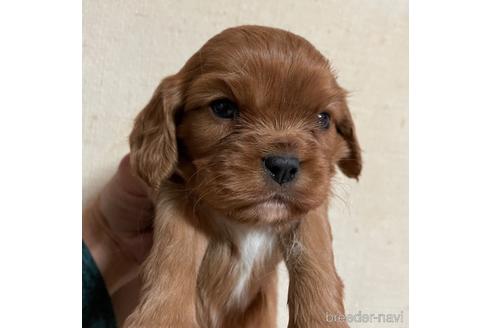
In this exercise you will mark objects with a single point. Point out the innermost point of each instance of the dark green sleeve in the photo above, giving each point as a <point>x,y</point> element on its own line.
<point>97,310</point>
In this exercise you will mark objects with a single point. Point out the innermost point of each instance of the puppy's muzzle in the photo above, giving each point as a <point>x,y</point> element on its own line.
<point>282,169</point>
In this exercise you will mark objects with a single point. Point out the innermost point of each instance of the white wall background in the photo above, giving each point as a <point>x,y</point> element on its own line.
<point>128,46</point>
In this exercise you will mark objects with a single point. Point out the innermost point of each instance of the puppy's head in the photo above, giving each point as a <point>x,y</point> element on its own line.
<point>254,125</point>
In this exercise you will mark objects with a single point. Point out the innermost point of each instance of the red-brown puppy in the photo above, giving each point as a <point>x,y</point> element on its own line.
<point>240,147</point>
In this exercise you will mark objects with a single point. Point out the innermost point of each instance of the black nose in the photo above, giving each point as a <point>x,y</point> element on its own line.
<point>282,169</point>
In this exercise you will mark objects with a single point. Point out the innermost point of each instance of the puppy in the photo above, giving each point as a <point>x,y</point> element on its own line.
<point>240,147</point>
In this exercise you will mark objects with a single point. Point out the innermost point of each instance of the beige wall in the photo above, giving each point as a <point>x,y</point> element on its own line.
<point>130,45</point>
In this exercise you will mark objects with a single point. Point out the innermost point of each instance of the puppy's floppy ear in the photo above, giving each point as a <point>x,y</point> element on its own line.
<point>153,147</point>
<point>351,163</point>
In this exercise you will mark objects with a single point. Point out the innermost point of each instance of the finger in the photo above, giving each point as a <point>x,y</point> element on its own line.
<point>130,182</point>
<point>124,201</point>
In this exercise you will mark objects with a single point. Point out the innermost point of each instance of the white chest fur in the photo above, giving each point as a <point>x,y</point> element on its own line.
<point>254,246</point>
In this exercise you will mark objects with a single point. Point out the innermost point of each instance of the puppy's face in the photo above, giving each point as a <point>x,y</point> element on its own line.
<point>255,125</point>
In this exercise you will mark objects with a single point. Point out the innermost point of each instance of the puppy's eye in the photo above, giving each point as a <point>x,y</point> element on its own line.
<point>224,108</point>
<point>324,120</point>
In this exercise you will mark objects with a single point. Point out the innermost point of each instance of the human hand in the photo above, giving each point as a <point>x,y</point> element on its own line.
<point>117,227</point>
